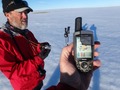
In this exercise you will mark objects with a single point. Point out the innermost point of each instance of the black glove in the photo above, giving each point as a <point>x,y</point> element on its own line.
<point>45,49</point>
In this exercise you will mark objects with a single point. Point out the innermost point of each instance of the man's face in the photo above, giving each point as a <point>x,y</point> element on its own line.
<point>18,19</point>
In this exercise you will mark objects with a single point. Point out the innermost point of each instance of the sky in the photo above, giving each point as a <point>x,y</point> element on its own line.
<point>59,4</point>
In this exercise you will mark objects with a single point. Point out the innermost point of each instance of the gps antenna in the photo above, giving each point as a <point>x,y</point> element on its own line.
<point>78,24</point>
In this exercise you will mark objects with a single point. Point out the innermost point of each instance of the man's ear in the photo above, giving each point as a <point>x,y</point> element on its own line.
<point>6,14</point>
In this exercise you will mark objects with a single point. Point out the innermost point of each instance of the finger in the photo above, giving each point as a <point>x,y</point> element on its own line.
<point>96,64</point>
<point>96,54</point>
<point>66,51</point>
<point>97,44</point>
<point>70,47</point>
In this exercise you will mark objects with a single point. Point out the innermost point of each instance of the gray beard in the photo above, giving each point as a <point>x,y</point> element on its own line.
<point>22,27</point>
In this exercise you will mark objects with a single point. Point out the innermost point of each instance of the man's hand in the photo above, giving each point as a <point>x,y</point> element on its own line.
<point>69,73</point>
<point>45,49</point>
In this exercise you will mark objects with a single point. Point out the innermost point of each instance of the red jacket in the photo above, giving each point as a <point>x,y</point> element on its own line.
<point>19,59</point>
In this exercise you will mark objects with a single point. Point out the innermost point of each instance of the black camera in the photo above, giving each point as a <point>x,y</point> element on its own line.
<point>83,47</point>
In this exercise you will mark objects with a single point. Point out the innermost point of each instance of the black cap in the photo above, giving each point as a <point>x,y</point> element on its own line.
<point>17,5</point>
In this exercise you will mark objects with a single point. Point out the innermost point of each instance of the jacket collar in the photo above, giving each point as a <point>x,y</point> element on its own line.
<point>16,30</point>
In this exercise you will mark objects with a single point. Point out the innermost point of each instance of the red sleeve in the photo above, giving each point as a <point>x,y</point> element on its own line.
<point>11,65</point>
<point>61,86</point>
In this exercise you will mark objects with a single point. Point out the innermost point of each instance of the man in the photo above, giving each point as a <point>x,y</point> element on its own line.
<point>21,55</point>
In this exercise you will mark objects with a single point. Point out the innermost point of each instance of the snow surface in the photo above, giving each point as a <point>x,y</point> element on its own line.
<point>49,26</point>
